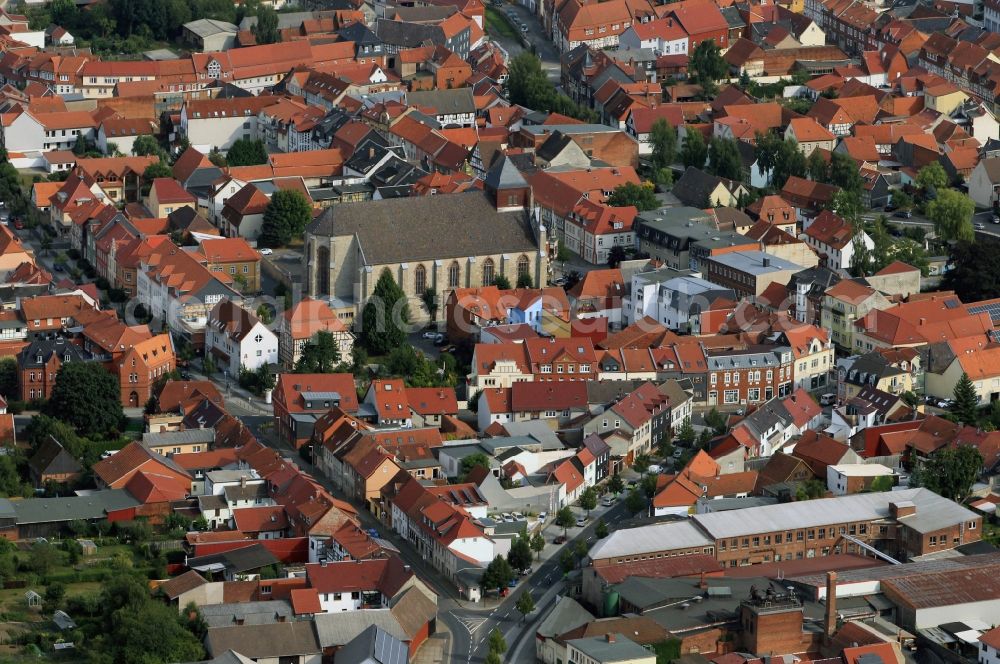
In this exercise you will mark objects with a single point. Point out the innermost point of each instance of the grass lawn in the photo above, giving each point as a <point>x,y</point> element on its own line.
<point>498,23</point>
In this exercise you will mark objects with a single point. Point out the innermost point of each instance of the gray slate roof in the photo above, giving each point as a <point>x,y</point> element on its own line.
<point>206,27</point>
<point>504,175</point>
<point>264,641</point>
<point>251,613</point>
<point>455,100</point>
<point>427,228</point>
<point>54,510</point>
<point>336,629</point>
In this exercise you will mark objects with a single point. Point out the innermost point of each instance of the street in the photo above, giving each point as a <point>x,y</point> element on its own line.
<point>543,46</point>
<point>468,624</point>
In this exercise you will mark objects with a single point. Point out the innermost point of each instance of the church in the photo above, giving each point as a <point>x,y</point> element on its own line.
<point>439,242</point>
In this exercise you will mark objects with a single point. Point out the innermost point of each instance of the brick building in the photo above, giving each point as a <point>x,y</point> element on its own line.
<point>749,375</point>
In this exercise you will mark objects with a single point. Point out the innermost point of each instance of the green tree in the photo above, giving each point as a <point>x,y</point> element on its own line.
<point>975,274</point>
<point>580,549</point>
<point>385,316</point>
<point>965,408</point>
<point>788,161</point>
<point>724,159</point>
<point>321,354</point>
<point>951,213</point>
<point>694,152</point>
<point>286,216</point>
<point>501,282</point>
<point>687,434</point>
<point>663,138</point>
<point>528,85</point>
<point>844,172</point>
<point>817,168</point>
<point>519,555</point>
<point>246,152</point>
<point>498,574</point>
<point>43,558</point>
<point>706,66</point>
<point>525,281</point>
<point>932,177</point>
<point>567,561</point>
<point>493,658</point>
<point>901,199</point>
<point>54,595</point>
<point>497,643</point>
<point>265,30</point>
<point>208,365</point>
<point>479,459</point>
<point>588,499</point>
<point>949,472</point>
<point>648,484</point>
<point>429,298</point>
<point>565,518</point>
<point>601,530</point>
<point>635,502</point>
<point>537,544</point>
<point>265,312</point>
<point>847,204</point>
<point>616,484</point>
<point>616,255</point>
<point>11,484</point>
<point>525,604</point>
<point>716,420</point>
<point>641,196</point>
<point>810,489</point>
<point>157,169</point>
<point>641,463</point>
<point>147,145</point>
<point>87,397</point>
<point>8,378</point>
<point>882,483</point>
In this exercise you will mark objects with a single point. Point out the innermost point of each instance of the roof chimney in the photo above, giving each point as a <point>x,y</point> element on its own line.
<point>766,261</point>
<point>610,637</point>
<point>830,620</point>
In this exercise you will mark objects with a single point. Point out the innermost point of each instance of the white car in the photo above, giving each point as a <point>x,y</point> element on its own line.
<point>430,334</point>
<point>581,521</point>
<point>266,251</point>
<point>517,516</point>
<point>608,500</point>
<point>509,518</point>
<point>542,516</point>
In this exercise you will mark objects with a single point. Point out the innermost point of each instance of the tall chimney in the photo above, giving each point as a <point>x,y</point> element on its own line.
<point>610,637</point>
<point>830,620</point>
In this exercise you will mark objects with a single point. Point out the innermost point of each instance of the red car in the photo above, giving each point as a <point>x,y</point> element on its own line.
<point>560,539</point>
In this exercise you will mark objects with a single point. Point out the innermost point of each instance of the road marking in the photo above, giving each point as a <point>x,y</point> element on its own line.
<point>471,624</point>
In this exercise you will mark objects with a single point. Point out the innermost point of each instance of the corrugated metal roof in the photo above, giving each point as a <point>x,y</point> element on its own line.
<point>648,539</point>
<point>933,513</point>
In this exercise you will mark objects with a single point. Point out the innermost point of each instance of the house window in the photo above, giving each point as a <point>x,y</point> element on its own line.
<point>419,280</point>
<point>731,396</point>
<point>453,275</point>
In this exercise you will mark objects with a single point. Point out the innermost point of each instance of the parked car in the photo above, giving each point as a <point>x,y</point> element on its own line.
<point>828,399</point>
<point>581,521</point>
<point>517,516</point>
<point>58,267</point>
<point>509,518</point>
<point>542,516</point>
<point>430,334</point>
<point>980,227</point>
<point>512,583</point>
<point>560,281</point>
<point>266,251</point>
<point>526,571</point>
<point>185,375</point>
<point>18,224</point>
<point>654,469</point>
<point>903,214</point>
<point>608,500</point>
<point>560,539</point>
<point>524,28</point>
<point>677,454</point>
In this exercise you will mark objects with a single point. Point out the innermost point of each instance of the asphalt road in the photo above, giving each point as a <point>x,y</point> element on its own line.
<point>543,46</point>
